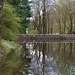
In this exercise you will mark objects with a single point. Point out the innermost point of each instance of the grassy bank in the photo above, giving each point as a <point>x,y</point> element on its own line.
<point>8,45</point>
<point>34,32</point>
<point>12,61</point>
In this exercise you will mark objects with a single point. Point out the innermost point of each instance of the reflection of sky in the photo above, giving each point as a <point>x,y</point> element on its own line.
<point>37,66</point>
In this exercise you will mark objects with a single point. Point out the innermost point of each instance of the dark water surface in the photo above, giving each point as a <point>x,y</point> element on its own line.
<point>41,59</point>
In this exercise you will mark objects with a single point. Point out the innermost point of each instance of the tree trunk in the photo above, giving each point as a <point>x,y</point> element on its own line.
<point>48,27</point>
<point>64,26</point>
<point>52,27</point>
<point>1,7</point>
<point>39,24</point>
<point>59,26</point>
<point>71,26</point>
<point>44,22</point>
<point>44,19</point>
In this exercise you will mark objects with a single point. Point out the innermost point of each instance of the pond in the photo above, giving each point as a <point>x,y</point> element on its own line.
<point>41,59</point>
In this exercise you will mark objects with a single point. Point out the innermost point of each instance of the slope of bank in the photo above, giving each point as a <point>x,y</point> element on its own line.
<point>12,61</point>
<point>8,45</point>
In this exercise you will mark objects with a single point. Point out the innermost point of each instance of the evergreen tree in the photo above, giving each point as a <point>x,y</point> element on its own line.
<point>23,8</point>
<point>10,22</point>
<point>25,13</point>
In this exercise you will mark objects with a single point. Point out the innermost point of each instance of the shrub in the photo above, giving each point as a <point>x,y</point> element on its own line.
<point>34,32</point>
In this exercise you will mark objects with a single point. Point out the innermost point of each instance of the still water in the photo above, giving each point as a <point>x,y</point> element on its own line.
<point>41,59</point>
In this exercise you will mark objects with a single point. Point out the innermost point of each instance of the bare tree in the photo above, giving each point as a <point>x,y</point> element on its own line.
<point>56,17</point>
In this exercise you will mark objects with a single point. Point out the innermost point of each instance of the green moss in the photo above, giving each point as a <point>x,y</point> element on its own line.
<point>12,43</point>
<point>6,48</point>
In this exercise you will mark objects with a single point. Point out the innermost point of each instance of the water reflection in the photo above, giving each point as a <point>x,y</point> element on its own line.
<point>40,59</point>
<point>48,58</point>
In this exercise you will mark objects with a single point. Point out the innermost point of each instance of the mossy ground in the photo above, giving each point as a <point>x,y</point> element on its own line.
<point>6,49</point>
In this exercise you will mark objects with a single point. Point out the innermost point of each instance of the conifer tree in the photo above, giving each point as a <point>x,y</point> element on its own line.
<point>23,8</point>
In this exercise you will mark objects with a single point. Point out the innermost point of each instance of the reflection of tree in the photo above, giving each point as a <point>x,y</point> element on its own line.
<point>64,48</point>
<point>26,59</point>
<point>46,55</point>
<point>64,56</point>
<point>43,60</point>
<point>70,50</point>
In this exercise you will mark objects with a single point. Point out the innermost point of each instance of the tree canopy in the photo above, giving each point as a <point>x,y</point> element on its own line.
<point>23,9</point>
<point>10,22</point>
